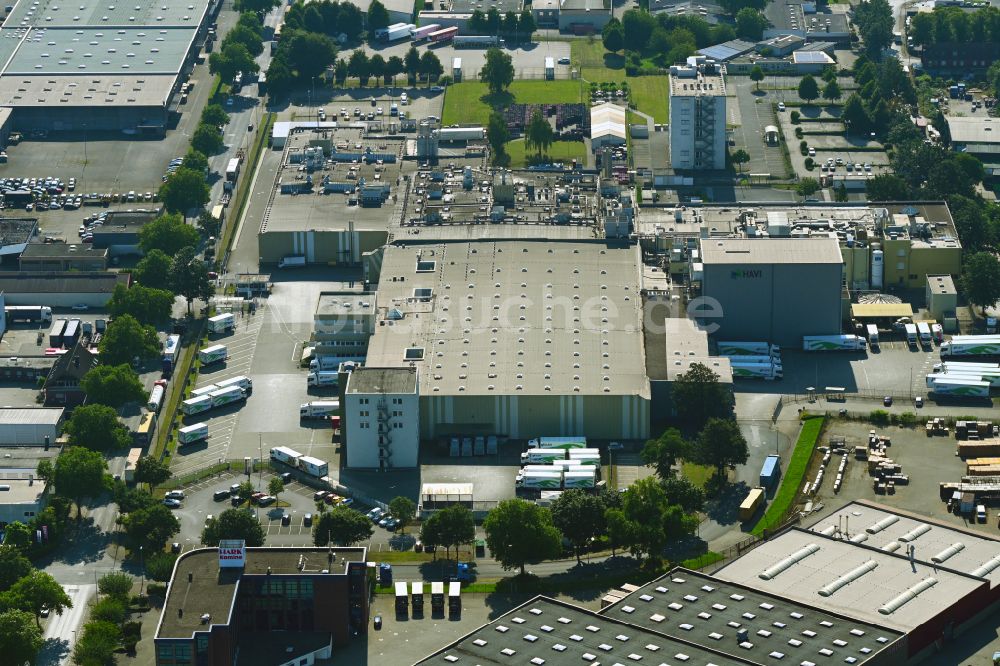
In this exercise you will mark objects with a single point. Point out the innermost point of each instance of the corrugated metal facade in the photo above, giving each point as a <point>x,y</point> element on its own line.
<point>319,247</point>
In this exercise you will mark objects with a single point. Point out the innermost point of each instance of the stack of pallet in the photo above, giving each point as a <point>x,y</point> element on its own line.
<point>976,430</point>
<point>886,473</point>
<point>983,448</point>
<point>982,467</point>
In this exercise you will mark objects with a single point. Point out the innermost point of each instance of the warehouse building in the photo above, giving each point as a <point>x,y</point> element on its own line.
<point>382,413</point>
<point>754,282</point>
<point>583,17</point>
<point>517,338</point>
<point>697,118</point>
<point>98,67</point>
<point>15,234</point>
<point>279,605</point>
<point>925,600</point>
<point>61,290</point>
<point>807,19</point>
<point>343,323</point>
<point>29,426</point>
<point>63,257</point>
<point>400,11</point>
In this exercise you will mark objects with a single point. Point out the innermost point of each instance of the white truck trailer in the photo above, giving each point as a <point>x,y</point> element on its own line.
<point>962,388</point>
<point>193,433</point>
<point>991,378</point>
<point>244,383</point>
<point>541,480</point>
<point>283,454</point>
<point>971,346</point>
<point>872,330</point>
<point>327,378</point>
<point>213,354</point>
<point>227,396</point>
<point>748,349</point>
<point>767,371</point>
<point>313,466</point>
<point>319,409</point>
<point>222,323</point>
<point>924,333</point>
<point>558,443</point>
<point>833,343</point>
<point>579,480</point>
<point>324,363</point>
<point>196,405</point>
<point>155,398</point>
<point>911,334</point>
<point>542,456</point>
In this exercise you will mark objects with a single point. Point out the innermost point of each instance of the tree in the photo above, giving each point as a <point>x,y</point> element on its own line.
<point>310,53</point>
<point>126,340</point>
<point>740,157</point>
<point>840,193</point>
<point>20,640</point>
<point>207,224</point>
<point>45,471</point>
<point>275,486</point>
<point>117,585</point>
<point>186,189</point>
<point>613,35</point>
<point>130,499</point>
<point>638,26</point>
<point>245,491</point>
<point>648,521</point>
<point>357,66</point>
<point>430,66</point>
<point>720,443</point>
<point>152,471</point>
<point>245,36</point>
<point>97,644</point>
<point>971,222</point>
<point>18,535</point>
<point>150,528</point>
<point>160,566</point>
<point>376,67</point>
<point>230,60</point>
<point>394,67</point>
<point>112,385</point>
<point>887,187</point>
<point>808,88</point>
<point>13,567</point>
<point>757,75</point>
<point>520,532</point>
<point>167,233</point>
<point>498,72</point>
<point>195,161</point>
<point>662,453</point>
<point>36,592</point>
<point>697,395</point>
<point>96,427</point>
<point>683,493</point>
<point>257,7</point>
<point>452,526</point>
<point>981,279</point>
<point>831,90</point>
<point>497,133</point>
<point>153,270</point>
<point>538,133</point>
<point>526,25</point>
<point>280,78</point>
<point>411,62</point>
<point>342,526</point>
<point>807,186</point>
<point>579,516</point>
<point>378,17</point>
<point>855,116</point>
<point>750,24</point>
<point>403,510</point>
<point>148,305</point>
<point>189,277</point>
<point>108,610</point>
<point>234,524</point>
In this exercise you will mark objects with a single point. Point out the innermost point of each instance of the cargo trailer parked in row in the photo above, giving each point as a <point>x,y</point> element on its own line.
<point>833,343</point>
<point>192,433</point>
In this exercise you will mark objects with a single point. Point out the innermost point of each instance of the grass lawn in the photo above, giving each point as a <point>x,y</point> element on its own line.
<point>560,151</point>
<point>469,102</point>
<point>650,94</point>
<point>791,481</point>
<point>697,474</point>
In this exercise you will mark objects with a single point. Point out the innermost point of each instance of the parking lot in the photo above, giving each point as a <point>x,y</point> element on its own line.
<point>528,59</point>
<point>750,113</point>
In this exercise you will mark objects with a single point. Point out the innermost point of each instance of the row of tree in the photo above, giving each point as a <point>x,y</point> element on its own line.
<point>665,38</point>
<point>874,21</point>
<point>512,27</point>
<point>953,25</point>
<point>237,53</point>
<point>364,68</point>
<point>24,593</point>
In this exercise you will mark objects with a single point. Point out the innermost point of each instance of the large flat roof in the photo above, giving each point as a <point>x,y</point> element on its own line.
<point>514,317</point>
<point>68,282</point>
<point>976,553</point>
<point>80,13</point>
<point>367,379</point>
<point>741,251</point>
<point>815,561</point>
<point>63,251</point>
<point>555,633</point>
<point>20,491</point>
<point>969,129</point>
<point>199,586</point>
<point>30,415</point>
<point>710,611</point>
<point>345,304</point>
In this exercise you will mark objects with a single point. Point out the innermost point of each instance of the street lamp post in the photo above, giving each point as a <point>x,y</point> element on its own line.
<point>142,564</point>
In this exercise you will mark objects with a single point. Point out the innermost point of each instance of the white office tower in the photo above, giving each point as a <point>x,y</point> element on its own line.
<point>697,118</point>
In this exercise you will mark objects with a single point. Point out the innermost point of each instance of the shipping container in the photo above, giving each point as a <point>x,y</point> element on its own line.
<point>558,443</point>
<point>204,390</point>
<point>420,34</point>
<point>443,35</point>
<point>56,333</point>
<point>402,599</point>
<point>72,333</point>
<point>750,505</point>
<point>454,599</point>
<point>770,473</point>
<point>961,388</point>
<point>748,348</point>
<point>171,352</point>
<point>313,466</point>
<point>319,409</point>
<point>227,396</point>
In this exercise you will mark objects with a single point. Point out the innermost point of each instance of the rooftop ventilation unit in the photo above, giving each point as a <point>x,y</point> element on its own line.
<point>882,524</point>
<point>917,531</point>
<point>948,552</point>
<point>909,595</point>
<point>797,556</point>
<point>847,578</point>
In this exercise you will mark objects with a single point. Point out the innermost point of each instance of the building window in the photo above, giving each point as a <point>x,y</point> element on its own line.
<point>426,266</point>
<point>364,401</point>
<point>364,425</point>
<point>397,401</point>
<point>397,425</point>
<point>413,354</point>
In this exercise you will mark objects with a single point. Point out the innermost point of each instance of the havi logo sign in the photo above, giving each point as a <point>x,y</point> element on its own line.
<point>745,274</point>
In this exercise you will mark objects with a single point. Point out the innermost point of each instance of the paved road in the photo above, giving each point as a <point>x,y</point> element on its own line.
<point>60,631</point>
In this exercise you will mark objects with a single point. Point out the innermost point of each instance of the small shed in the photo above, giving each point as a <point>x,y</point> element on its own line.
<point>607,126</point>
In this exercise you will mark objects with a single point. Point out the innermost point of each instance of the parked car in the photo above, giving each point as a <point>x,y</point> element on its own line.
<point>267,500</point>
<point>781,106</point>
<point>220,495</point>
<point>307,519</point>
<point>175,494</point>
<point>172,503</point>
<point>378,622</point>
<point>286,519</point>
<point>887,401</point>
<point>319,494</point>
<point>981,513</point>
<point>286,478</point>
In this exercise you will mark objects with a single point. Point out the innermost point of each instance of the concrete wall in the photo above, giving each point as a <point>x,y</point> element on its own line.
<point>779,303</point>
<point>58,300</point>
<point>523,417</point>
<point>111,118</point>
<point>319,247</point>
<point>596,18</point>
<point>22,512</point>
<point>362,429</point>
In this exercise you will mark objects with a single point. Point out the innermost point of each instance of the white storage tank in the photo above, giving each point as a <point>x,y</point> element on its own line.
<point>878,268</point>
